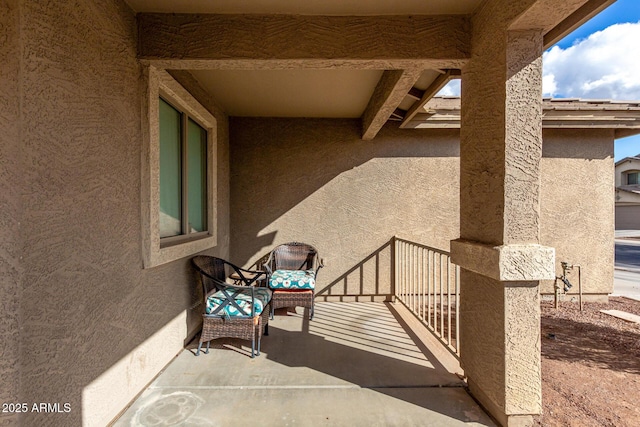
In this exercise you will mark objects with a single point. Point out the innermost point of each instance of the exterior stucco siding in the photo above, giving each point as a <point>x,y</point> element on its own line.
<point>95,326</point>
<point>578,205</point>
<point>86,324</point>
<point>629,165</point>
<point>316,181</point>
<point>11,187</point>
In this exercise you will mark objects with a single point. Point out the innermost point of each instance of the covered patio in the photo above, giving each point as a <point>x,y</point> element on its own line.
<point>356,364</point>
<point>98,298</point>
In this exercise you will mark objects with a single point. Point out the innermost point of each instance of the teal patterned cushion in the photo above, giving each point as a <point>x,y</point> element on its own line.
<point>293,279</point>
<point>262,298</point>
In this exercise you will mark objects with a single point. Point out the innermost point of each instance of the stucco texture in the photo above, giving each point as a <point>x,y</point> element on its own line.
<point>95,326</point>
<point>519,371</point>
<point>11,186</point>
<point>86,324</point>
<point>317,182</point>
<point>577,205</point>
<point>624,166</point>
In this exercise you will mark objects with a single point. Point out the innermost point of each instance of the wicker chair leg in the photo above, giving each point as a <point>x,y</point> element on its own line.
<point>253,348</point>
<point>199,347</point>
<point>208,344</point>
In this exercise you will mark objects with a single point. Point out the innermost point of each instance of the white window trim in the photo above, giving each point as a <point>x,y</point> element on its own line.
<point>159,82</point>
<point>630,172</point>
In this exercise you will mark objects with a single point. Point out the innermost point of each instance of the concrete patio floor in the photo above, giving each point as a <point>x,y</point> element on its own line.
<point>354,364</point>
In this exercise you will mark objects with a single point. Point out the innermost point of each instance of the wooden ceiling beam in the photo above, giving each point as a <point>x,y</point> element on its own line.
<point>573,21</point>
<point>434,88</point>
<point>416,93</point>
<point>398,113</point>
<point>391,89</point>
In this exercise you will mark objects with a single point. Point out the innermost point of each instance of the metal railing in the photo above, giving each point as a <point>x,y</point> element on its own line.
<point>428,284</point>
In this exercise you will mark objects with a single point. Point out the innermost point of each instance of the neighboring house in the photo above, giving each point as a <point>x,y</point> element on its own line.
<point>627,173</point>
<point>303,121</point>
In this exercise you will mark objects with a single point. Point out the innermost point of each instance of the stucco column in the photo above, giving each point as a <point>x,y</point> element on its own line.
<point>499,252</point>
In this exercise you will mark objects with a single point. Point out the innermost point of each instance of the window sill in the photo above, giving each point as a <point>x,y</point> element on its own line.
<point>175,251</point>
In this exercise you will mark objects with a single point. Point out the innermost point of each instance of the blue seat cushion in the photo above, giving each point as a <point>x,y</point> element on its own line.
<point>293,279</point>
<point>262,296</point>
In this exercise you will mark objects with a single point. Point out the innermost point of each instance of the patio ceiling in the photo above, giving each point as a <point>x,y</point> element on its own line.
<point>376,92</point>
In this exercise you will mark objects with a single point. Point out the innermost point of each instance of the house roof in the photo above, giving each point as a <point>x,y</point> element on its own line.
<point>628,190</point>
<point>626,159</point>
<point>627,197</point>
<point>622,116</point>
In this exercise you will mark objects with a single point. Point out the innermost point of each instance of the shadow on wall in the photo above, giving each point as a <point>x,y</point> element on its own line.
<point>372,279</point>
<point>279,163</point>
<point>369,280</point>
<point>579,144</point>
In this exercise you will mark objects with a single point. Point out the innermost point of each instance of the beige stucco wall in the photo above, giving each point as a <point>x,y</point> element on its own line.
<point>11,186</point>
<point>626,198</point>
<point>623,167</point>
<point>627,204</point>
<point>316,181</point>
<point>577,205</point>
<point>95,327</point>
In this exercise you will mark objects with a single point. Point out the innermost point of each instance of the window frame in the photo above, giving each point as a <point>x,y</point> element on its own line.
<point>633,172</point>
<point>188,235</point>
<point>157,251</point>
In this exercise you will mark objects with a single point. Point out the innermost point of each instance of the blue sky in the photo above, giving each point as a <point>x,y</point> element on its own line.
<point>622,11</point>
<point>599,60</point>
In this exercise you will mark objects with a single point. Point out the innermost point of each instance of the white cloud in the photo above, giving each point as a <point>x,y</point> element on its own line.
<point>451,89</point>
<point>604,65</point>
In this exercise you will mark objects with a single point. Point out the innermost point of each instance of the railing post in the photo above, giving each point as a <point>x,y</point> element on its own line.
<point>394,269</point>
<point>448,301</point>
<point>418,280</point>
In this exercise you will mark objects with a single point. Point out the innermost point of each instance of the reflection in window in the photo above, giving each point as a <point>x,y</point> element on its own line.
<point>183,174</point>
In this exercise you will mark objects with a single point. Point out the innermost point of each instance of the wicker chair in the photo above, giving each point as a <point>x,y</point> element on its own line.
<point>234,311</point>
<point>292,269</point>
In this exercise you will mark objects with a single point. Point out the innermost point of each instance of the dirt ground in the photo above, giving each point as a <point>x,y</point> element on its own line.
<point>590,366</point>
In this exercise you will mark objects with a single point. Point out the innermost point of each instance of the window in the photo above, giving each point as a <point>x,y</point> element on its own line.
<point>179,185</point>
<point>183,172</point>
<point>632,178</point>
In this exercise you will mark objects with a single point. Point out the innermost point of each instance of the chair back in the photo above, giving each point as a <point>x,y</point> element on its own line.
<point>294,256</point>
<point>211,269</point>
